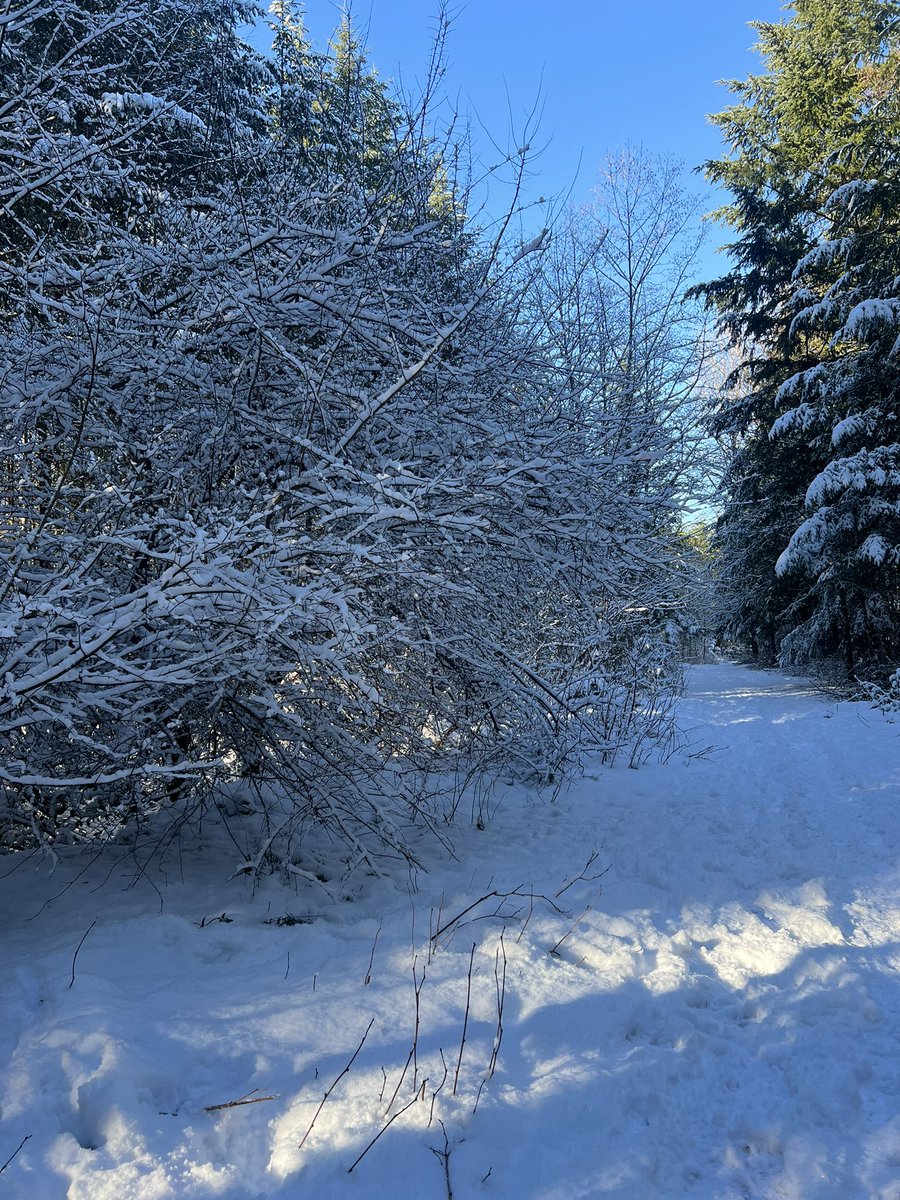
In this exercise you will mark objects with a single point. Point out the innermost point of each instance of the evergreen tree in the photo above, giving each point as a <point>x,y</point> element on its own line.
<point>812,480</point>
<point>295,103</point>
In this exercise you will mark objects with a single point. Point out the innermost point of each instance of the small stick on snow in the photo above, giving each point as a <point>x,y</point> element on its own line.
<point>418,984</point>
<point>500,981</point>
<point>368,978</point>
<point>555,949</point>
<point>443,1156</point>
<point>434,1094</point>
<point>15,1152</point>
<point>334,1085</point>
<point>413,1056</point>
<point>436,923</point>
<point>495,894</point>
<point>75,955</point>
<point>399,1083</point>
<point>250,1098</point>
<point>528,918</point>
<point>465,1019</point>
<point>584,874</point>
<point>386,1127</point>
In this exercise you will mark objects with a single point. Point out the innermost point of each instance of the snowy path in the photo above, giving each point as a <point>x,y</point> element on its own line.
<point>722,1021</point>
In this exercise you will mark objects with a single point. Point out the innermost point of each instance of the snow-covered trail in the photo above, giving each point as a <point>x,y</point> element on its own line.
<point>716,1018</point>
<point>738,1032</point>
<point>757,893</point>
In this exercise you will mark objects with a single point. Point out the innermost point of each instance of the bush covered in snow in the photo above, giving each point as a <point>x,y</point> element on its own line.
<point>298,490</point>
<point>886,699</point>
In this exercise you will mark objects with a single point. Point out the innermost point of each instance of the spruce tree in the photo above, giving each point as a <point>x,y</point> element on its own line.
<point>808,534</point>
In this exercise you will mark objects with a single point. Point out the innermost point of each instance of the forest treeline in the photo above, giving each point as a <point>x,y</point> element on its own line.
<point>324,495</point>
<point>809,538</point>
<point>320,495</point>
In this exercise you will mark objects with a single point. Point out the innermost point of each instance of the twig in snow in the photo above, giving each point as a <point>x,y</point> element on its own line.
<point>413,1056</point>
<point>495,894</point>
<point>396,1091</point>
<point>565,937</point>
<point>385,1128</point>
<point>250,1098</point>
<point>432,924</point>
<point>462,1041</point>
<point>443,1156</point>
<point>368,978</point>
<point>500,985</point>
<point>528,918</point>
<point>15,1152</point>
<point>705,751</point>
<point>336,1082</point>
<point>500,982</point>
<point>418,984</point>
<point>584,874</point>
<point>75,955</point>
<point>434,1094</point>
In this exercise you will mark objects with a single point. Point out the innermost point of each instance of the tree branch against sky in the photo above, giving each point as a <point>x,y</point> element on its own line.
<point>291,492</point>
<point>597,75</point>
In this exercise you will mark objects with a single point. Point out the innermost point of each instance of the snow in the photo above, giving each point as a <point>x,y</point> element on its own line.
<point>715,1016</point>
<point>156,106</point>
<point>875,549</point>
<point>803,417</point>
<point>849,427</point>
<point>866,319</point>
<point>867,468</point>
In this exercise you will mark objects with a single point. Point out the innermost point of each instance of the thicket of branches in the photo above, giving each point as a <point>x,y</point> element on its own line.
<point>306,482</point>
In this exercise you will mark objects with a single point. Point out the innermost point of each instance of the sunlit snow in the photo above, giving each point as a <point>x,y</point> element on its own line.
<point>716,1016</point>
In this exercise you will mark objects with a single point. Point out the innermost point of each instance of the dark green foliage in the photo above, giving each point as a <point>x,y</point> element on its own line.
<point>809,534</point>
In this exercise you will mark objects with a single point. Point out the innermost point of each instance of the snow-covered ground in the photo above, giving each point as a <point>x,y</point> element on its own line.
<point>717,1016</point>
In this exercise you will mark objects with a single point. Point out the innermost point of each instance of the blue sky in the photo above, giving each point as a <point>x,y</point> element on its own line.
<point>603,74</point>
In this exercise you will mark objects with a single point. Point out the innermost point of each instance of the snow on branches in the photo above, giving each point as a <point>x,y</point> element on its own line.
<point>292,498</point>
